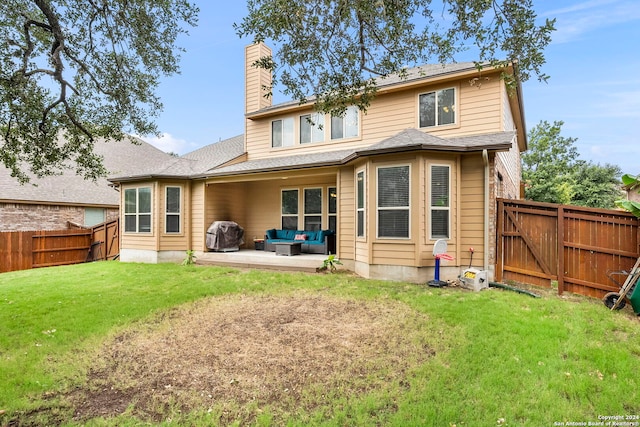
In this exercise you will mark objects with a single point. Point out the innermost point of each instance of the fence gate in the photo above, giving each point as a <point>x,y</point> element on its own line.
<point>542,242</point>
<point>22,250</point>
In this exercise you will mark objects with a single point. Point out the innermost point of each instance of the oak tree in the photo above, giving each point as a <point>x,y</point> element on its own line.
<point>72,71</point>
<point>553,172</point>
<point>334,51</point>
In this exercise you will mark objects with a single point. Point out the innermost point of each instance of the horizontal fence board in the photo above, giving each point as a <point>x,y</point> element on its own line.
<point>23,250</point>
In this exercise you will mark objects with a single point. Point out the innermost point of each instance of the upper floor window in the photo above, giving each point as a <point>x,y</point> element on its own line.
<point>346,126</point>
<point>282,132</point>
<point>311,128</point>
<point>173,211</point>
<point>393,201</point>
<point>438,108</point>
<point>440,205</point>
<point>137,210</point>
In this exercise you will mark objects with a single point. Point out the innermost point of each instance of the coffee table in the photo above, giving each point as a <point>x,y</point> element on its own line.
<point>288,248</point>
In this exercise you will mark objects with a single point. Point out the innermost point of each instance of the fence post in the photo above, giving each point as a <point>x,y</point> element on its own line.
<point>560,255</point>
<point>499,240</point>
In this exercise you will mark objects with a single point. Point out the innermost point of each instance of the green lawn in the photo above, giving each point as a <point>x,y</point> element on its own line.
<point>502,358</point>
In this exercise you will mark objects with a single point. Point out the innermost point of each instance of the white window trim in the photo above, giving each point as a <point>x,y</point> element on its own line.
<point>408,208</point>
<point>137,213</point>
<point>431,208</point>
<point>323,210</point>
<point>344,118</point>
<point>363,209</point>
<point>283,215</point>
<point>456,92</point>
<point>178,214</point>
<point>291,143</point>
<point>317,122</point>
<point>329,213</point>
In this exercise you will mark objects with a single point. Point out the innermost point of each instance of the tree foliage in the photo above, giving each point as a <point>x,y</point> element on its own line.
<point>632,183</point>
<point>72,71</point>
<point>333,51</point>
<point>552,171</point>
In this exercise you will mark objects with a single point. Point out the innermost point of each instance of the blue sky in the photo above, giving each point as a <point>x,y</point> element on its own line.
<point>593,61</point>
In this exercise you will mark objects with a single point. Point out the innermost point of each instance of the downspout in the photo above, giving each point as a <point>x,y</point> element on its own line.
<point>485,160</point>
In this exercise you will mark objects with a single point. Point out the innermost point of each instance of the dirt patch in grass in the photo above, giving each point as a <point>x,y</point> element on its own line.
<point>231,354</point>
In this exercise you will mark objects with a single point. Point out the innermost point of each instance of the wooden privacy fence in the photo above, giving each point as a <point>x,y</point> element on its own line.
<point>23,250</point>
<point>578,247</point>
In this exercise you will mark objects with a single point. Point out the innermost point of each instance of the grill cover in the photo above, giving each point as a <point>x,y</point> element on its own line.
<point>224,236</point>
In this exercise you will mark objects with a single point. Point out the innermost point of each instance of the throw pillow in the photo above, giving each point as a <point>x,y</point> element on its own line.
<point>300,237</point>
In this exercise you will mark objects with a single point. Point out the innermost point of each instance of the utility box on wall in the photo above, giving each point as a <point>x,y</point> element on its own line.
<point>474,279</point>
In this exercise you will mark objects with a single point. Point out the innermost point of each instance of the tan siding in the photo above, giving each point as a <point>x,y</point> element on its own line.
<point>256,79</point>
<point>387,253</point>
<point>346,214</point>
<point>472,209</point>
<point>508,163</point>
<point>390,113</point>
<point>258,139</point>
<point>174,242</point>
<point>264,208</point>
<point>226,202</point>
<point>198,227</point>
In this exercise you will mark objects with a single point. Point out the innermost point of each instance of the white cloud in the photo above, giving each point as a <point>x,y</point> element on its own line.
<point>169,144</point>
<point>587,17</point>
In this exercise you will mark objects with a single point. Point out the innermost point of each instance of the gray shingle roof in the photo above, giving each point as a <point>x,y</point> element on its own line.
<point>119,157</point>
<point>299,161</point>
<point>422,72</point>
<point>413,139</point>
<point>195,163</point>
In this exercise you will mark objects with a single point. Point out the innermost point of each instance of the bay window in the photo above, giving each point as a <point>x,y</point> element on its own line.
<point>360,196</point>
<point>172,209</point>
<point>440,202</point>
<point>393,201</point>
<point>137,210</point>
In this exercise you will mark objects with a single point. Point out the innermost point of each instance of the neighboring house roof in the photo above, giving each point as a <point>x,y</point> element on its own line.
<point>119,157</point>
<point>407,140</point>
<point>195,163</point>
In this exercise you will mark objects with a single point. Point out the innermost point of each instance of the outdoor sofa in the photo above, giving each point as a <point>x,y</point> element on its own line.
<point>313,242</point>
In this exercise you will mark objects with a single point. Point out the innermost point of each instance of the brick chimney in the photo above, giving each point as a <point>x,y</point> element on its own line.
<point>255,79</point>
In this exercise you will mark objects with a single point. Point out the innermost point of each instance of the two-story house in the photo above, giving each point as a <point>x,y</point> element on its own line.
<point>425,162</point>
